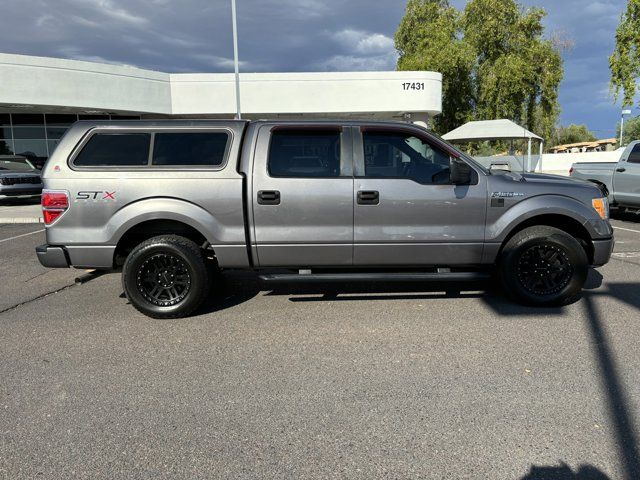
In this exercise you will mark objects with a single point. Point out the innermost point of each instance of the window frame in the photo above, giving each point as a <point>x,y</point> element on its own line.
<point>301,128</point>
<point>151,131</point>
<point>434,143</point>
<point>635,147</point>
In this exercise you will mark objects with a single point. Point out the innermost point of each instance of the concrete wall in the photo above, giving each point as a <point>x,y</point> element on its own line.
<point>555,163</point>
<point>560,163</point>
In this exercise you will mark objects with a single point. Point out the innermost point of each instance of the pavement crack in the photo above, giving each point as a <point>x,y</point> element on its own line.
<point>39,297</point>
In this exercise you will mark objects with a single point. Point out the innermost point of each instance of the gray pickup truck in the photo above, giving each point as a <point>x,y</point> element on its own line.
<point>172,202</point>
<point>621,180</point>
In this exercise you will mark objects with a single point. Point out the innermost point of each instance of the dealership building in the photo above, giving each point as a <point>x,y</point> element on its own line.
<point>40,97</point>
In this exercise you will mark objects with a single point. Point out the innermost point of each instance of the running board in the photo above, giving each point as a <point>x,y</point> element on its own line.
<point>376,277</point>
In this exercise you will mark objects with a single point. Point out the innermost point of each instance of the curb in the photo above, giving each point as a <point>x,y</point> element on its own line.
<point>22,220</point>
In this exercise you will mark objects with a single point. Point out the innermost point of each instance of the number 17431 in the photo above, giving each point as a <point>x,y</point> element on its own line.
<point>413,86</point>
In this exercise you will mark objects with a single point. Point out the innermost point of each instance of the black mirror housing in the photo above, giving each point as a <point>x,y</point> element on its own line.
<point>460,172</point>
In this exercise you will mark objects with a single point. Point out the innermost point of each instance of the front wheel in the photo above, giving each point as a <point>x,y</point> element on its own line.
<point>166,277</point>
<point>543,266</point>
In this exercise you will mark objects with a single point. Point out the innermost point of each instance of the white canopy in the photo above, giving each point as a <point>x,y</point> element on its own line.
<point>489,130</point>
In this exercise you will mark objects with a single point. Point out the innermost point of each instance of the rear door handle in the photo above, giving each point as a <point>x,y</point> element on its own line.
<point>621,169</point>
<point>368,197</point>
<point>268,197</point>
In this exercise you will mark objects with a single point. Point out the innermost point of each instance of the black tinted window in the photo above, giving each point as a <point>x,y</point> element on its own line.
<point>634,156</point>
<point>190,148</point>
<point>401,155</point>
<point>300,153</point>
<point>115,150</point>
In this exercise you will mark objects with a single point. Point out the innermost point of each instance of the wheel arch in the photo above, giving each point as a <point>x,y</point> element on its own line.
<point>562,222</point>
<point>144,230</point>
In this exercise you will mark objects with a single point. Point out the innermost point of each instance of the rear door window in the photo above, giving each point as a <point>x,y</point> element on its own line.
<point>304,154</point>
<point>190,148</point>
<point>115,150</point>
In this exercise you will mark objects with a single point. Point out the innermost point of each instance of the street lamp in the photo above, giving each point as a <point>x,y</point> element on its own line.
<point>235,57</point>
<point>624,112</point>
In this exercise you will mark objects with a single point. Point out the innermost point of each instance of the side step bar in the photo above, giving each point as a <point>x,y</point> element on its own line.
<point>376,277</point>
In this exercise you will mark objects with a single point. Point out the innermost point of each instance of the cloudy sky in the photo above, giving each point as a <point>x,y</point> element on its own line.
<point>290,35</point>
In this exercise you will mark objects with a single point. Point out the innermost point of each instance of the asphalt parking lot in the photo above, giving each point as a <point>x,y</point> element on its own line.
<point>359,382</point>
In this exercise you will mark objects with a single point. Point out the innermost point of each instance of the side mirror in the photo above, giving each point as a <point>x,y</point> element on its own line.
<point>460,172</point>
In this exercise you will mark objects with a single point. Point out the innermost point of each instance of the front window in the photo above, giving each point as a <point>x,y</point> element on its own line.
<point>634,156</point>
<point>402,155</point>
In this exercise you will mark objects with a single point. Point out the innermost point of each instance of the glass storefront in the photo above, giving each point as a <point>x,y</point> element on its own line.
<point>36,135</point>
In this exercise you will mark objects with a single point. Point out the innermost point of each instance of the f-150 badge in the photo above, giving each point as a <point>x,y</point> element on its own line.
<point>506,194</point>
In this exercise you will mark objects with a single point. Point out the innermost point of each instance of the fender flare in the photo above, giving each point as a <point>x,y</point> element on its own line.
<point>542,205</point>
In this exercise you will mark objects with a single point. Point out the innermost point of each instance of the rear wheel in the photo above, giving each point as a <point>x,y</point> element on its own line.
<point>543,266</point>
<point>166,277</point>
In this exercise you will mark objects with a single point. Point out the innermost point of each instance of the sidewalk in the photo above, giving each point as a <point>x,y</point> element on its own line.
<point>20,211</point>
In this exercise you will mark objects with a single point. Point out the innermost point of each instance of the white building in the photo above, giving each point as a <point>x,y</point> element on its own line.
<point>40,97</point>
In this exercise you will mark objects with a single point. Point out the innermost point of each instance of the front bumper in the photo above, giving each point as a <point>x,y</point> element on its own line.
<point>52,257</point>
<point>602,250</point>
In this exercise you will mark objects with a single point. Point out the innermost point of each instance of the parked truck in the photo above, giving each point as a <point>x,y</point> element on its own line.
<point>172,202</point>
<point>621,180</point>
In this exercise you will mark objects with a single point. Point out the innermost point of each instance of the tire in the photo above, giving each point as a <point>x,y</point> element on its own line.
<point>166,277</point>
<point>543,266</point>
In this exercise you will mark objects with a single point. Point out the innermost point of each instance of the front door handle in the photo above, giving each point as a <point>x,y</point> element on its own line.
<point>268,197</point>
<point>621,169</point>
<point>368,197</point>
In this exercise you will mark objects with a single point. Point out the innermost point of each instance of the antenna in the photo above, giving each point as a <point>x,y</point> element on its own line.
<point>235,57</point>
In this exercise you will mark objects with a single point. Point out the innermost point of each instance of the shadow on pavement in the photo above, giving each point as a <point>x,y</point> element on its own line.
<point>10,202</point>
<point>564,472</point>
<point>625,216</point>
<point>617,403</point>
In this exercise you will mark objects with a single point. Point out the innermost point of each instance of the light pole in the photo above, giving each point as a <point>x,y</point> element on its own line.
<point>624,112</point>
<point>235,58</point>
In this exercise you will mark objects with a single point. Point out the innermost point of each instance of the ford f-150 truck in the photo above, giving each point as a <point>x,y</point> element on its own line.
<point>171,202</point>
<point>621,180</point>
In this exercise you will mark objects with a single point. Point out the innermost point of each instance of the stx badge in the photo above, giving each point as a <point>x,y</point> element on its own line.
<point>96,195</point>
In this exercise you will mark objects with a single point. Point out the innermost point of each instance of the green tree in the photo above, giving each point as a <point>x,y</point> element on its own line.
<point>494,59</point>
<point>631,130</point>
<point>573,134</point>
<point>625,60</point>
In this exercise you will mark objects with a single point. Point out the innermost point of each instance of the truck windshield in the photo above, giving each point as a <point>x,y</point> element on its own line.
<point>16,164</point>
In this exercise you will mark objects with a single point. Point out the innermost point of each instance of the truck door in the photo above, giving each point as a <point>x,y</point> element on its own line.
<point>302,196</point>
<point>626,178</point>
<point>407,213</point>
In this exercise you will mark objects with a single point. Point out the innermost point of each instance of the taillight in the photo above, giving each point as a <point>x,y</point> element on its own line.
<point>54,204</point>
<point>571,171</point>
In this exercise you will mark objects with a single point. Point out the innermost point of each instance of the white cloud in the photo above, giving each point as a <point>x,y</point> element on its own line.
<point>601,8</point>
<point>352,63</point>
<point>361,51</point>
<point>364,42</point>
<point>111,9</point>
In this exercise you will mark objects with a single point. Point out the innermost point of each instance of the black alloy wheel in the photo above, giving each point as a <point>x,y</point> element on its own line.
<point>544,269</point>
<point>543,266</point>
<point>163,279</point>
<point>167,277</point>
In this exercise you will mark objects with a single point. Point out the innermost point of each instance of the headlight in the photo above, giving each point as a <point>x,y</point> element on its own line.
<point>601,205</point>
